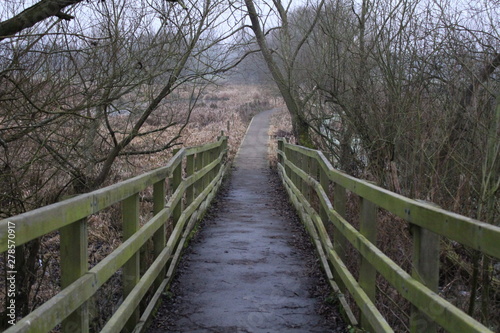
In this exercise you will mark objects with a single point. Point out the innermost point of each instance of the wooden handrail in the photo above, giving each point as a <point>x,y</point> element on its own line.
<point>299,166</point>
<point>195,187</point>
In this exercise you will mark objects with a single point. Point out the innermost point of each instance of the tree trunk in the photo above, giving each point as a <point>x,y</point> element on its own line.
<point>292,101</point>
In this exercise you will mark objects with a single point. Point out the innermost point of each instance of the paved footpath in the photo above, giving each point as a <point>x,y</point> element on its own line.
<point>245,275</point>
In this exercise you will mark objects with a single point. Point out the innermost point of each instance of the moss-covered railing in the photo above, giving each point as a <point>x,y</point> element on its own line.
<point>193,176</point>
<point>308,177</point>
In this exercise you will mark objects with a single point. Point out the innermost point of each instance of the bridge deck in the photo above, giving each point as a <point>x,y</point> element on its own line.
<point>245,274</point>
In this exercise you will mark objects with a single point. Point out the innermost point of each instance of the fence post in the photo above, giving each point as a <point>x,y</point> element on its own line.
<point>280,149</point>
<point>425,270</point>
<point>213,157</point>
<point>222,140</point>
<point>174,182</point>
<point>198,165</point>
<point>287,152</point>
<point>294,158</point>
<point>305,165</point>
<point>74,264</point>
<point>205,161</point>
<point>368,273</point>
<point>131,270</point>
<point>339,241</point>
<point>159,238</point>
<point>189,172</point>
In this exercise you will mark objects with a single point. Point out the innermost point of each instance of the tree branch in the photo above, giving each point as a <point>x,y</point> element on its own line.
<point>34,14</point>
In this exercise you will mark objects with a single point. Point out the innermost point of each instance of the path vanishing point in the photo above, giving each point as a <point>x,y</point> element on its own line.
<point>245,274</point>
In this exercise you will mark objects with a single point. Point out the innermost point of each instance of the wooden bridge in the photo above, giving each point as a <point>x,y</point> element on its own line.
<point>182,191</point>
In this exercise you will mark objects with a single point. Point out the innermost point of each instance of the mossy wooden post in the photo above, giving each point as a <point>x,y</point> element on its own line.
<point>131,270</point>
<point>213,156</point>
<point>368,273</point>
<point>425,269</point>
<point>291,157</point>
<point>74,264</point>
<point>225,145</point>
<point>189,172</point>
<point>294,158</point>
<point>324,181</point>
<point>219,151</point>
<point>305,165</point>
<point>339,241</point>
<point>313,172</point>
<point>299,159</point>
<point>159,238</point>
<point>198,165</point>
<point>206,161</point>
<point>287,157</point>
<point>174,182</point>
<point>280,149</point>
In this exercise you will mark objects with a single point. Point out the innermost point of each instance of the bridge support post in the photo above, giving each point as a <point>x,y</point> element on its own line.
<point>426,270</point>
<point>212,156</point>
<point>131,269</point>
<point>198,165</point>
<point>287,157</point>
<point>189,172</point>
<point>74,264</point>
<point>174,183</point>
<point>294,158</point>
<point>159,238</point>
<point>368,273</point>
<point>305,165</point>
<point>281,146</point>
<point>339,241</point>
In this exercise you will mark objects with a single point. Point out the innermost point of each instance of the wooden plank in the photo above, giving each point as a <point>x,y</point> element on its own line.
<point>74,264</point>
<point>203,148</point>
<point>321,237</point>
<point>38,222</point>
<point>52,312</point>
<point>148,312</point>
<point>478,235</point>
<point>77,293</point>
<point>131,269</point>
<point>365,304</point>
<point>340,243</point>
<point>438,309</point>
<point>201,173</point>
<point>116,323</point>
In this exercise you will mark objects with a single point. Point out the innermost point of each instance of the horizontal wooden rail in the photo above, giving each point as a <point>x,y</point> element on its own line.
<point>68,306</point>
<point>296,168</point>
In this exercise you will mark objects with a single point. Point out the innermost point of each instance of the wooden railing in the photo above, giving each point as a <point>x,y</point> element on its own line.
<point>307,174</point>
<point>193,176</point>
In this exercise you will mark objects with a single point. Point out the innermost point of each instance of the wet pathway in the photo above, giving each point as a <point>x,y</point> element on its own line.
<point>245,275</point>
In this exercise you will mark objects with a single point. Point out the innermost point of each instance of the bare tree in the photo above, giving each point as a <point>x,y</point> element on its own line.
<point>77,96</point>
<point>282,61</point>
<point>405,93</point>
